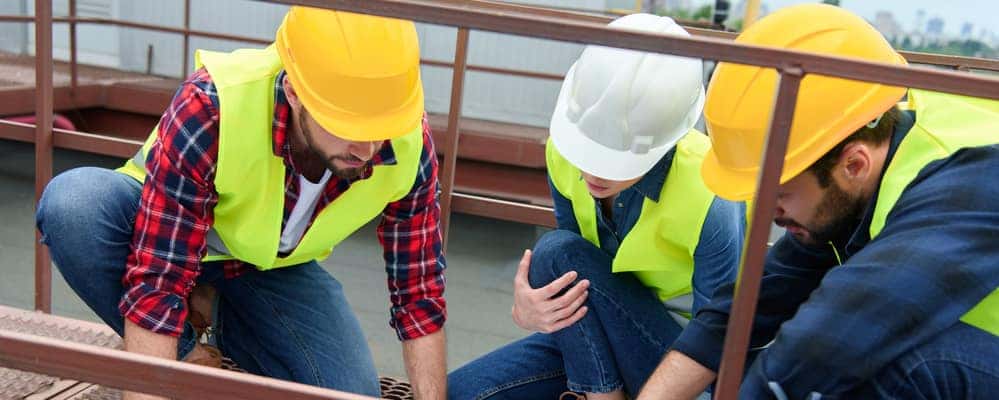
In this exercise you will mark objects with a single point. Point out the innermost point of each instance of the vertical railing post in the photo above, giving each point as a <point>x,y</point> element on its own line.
<point>740,321</point>
<point>187,36</point>
<point>450,148</point>
<point>43,142</point>
<point>72,48</point>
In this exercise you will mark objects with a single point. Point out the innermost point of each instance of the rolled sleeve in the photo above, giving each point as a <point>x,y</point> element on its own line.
<point>411,239</point>
<point>175,212</point>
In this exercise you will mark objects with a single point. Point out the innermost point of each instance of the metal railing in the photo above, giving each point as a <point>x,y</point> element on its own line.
<point>134,372</point>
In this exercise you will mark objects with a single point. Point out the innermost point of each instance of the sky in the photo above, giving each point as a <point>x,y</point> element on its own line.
<point>980,13</point>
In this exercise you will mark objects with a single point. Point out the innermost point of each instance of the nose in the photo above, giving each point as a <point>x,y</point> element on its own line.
<point>364,150</point>
<point>779,211</point>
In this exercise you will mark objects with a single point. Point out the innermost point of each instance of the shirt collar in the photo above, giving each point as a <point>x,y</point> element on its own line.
<point>651,184</point>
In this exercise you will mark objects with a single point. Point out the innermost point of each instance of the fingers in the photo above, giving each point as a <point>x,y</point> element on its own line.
<point>576,316</point>
<point>551,289</point>
<point>570,308</point>
<point>525,265</point>
<point>569,296</point>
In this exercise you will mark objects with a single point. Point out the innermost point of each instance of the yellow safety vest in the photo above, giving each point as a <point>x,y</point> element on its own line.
<point>945,123</point>
<point>659,249</point>
<point>250,178</point>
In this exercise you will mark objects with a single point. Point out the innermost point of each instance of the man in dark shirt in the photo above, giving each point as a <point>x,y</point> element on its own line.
<point>885,285</point>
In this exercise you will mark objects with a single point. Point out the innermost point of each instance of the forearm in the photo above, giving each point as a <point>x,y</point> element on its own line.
<point>142,341</point>
<point>677,377</point>
<point>426,365</point>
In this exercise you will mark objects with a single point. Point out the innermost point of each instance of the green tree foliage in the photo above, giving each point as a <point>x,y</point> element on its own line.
<point>966,47</point>
<point>701,14</point>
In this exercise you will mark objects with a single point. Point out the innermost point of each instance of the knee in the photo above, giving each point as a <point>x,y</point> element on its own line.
<point>549,258</point>
<point>76,196</point>
<point>67,196</point>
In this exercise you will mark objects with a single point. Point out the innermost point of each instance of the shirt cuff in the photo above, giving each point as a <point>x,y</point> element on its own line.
<point>701,344</point>
<point>154,310</point>
<point>420,318</point>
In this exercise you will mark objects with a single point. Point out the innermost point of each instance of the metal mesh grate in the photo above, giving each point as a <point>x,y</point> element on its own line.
<point>394,389</point>
<point>18,384</point>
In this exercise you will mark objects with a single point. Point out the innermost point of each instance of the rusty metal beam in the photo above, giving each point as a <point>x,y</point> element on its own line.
<point>74,140</point>
<point>137,372</point>
<point>505,210</point>
<point>43,143</point>
<point>73,75</point>
<point>138,25</point>
<point>497,70</point>
<point>570,30</point>
<point>740,321</point>
<point>957,62</point>
<point>187,37</point>
<point>951,61</point>
<point>450,146</point>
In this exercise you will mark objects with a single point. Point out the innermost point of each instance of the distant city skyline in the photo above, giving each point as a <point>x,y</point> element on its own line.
<point>954,13</point>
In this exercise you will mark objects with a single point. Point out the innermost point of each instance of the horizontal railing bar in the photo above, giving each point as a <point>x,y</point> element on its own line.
<point>913,57</point>
<point>131,371</point>
<point>943,60</point>
<point>470,16</point>
<point>506,210</point>
<point>497,70</point>
<point>120,147</point>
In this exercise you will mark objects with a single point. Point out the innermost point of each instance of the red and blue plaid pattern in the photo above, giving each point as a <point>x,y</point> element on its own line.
<point>178,197</point>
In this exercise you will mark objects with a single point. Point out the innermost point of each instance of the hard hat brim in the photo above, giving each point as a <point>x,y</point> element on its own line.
<point>728,184</point>
<point>594,158</point>
<point>346,125</point>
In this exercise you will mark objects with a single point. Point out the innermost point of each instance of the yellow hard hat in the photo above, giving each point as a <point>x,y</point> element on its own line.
<point>740,97</point>
<point>357,75</point>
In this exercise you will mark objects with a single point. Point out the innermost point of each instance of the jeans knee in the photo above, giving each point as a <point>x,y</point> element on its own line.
<point>549,255</point>
<point>62,198</point>
<point>79,196</point>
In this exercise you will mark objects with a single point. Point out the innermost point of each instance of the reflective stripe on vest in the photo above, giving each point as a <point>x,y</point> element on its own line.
<point>945,123</point>
<point>249,177</point>
<point>659,249</point>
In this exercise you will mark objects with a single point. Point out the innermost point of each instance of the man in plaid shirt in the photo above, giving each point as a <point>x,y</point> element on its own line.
<point>262,163</point>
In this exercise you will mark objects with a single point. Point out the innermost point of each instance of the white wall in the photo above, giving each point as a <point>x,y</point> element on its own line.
<point>13,36</point>
<point>96,44</point>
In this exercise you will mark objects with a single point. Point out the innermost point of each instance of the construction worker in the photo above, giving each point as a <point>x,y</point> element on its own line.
<point>884,285</point>
<point>264,161</point>
<point>640,243</point>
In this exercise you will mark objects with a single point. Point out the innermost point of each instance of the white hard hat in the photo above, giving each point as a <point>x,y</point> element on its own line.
<point>620,111</point>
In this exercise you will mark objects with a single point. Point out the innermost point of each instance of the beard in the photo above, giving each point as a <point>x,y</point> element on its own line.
<point>328,160</point>
<point>837,215</point>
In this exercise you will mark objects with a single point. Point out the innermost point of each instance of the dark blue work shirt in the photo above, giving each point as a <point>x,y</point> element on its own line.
<point>716,258</point>
<point>830,329</point>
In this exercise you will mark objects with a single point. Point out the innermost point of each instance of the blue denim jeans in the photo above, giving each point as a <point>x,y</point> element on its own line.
<point>290,323</point>
<point>617,345</point>
<point>960,363</point>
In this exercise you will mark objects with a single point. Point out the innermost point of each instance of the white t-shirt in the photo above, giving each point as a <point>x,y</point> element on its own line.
<point>308,196</point>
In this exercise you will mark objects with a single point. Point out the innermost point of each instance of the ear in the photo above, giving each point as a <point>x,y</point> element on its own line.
<point>289,92</point>
<point>855,162</point>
